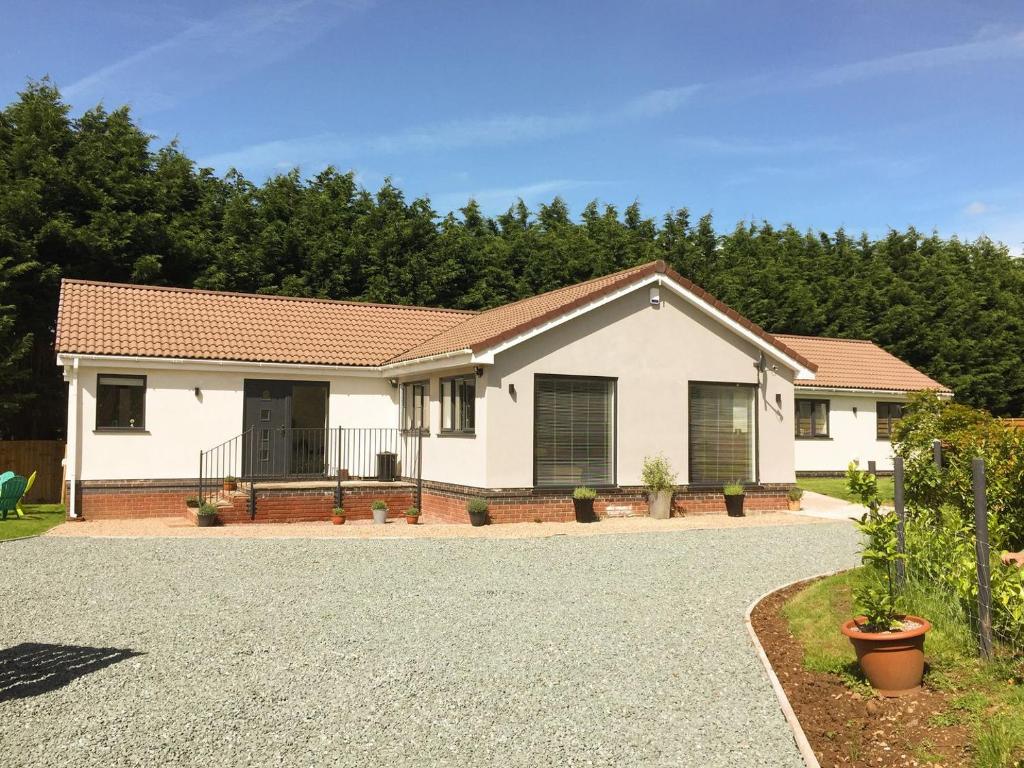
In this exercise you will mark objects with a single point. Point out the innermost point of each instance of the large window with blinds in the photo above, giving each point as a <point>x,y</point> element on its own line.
<point>722,433</point>
<point>811,419</point>
<point>573,431</point>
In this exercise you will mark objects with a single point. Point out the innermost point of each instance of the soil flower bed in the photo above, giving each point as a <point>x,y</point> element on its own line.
<point>966,714</point>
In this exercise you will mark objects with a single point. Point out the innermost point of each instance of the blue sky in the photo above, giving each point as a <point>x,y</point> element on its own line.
<point>860,114</point>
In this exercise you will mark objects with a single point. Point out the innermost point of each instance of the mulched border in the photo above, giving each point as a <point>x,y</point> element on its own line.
<point>846,728</point>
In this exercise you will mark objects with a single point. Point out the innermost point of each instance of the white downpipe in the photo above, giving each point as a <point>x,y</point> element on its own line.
<point>71,455</point>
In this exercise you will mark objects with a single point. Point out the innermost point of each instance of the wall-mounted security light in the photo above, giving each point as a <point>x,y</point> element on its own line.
<point>655,296</point>
<point>393,383</point>
<point>479,371</point>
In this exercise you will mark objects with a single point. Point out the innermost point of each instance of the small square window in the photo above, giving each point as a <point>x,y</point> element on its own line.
<point>120,402</point>
<point>264,414</point>
<point>458,404</point>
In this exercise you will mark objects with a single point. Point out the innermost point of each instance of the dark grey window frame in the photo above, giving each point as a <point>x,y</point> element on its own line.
<point>458,427</point>
<point>828,418</point>
<point>889,421</point>
<point>424,427</point>
<point>615,428</point>
<point>145,387</point>
<point>757,432</point>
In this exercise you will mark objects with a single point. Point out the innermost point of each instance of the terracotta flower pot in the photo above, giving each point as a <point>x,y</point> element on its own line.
<point>412,519</point>
<point>337,519</point>
<point>230,485</point>
<point>734,505</point>
<point>584,509</point>
<point>794,506</point>
<point>893,662</point>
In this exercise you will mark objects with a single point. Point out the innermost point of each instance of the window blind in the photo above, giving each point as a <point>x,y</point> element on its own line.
<point>721,433</point>
<point>574,431</point>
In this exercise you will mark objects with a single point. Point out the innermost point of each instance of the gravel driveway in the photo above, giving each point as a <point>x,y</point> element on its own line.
<point>619,650</point>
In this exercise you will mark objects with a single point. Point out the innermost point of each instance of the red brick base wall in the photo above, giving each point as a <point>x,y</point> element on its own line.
<point>132,499</point>
<point>358,501</point>
<point>447,503</point>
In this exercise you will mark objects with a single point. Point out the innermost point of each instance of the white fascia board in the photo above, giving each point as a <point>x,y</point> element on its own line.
<point>430,362</point>
<point>163,363</point>
<point>862,391</point>
<point>487,356</point>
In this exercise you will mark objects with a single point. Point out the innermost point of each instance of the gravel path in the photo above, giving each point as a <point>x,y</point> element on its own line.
<point>619,650</point>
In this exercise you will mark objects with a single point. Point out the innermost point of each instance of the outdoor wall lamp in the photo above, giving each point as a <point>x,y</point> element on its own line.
<point>512,389</point>
<point>855,410</point>
<point>778,399</point>
<point>198,393</point>
<point>479,371</point>
<point>393,383</point>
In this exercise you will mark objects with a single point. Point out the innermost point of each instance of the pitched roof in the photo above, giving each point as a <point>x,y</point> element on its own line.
<point>493,326</point>
<point>145,321</point>
<point>858,364</point>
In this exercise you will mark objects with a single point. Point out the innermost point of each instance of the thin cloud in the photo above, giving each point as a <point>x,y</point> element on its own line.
<point>976,208</point>
<point>746,146</point>
<point>984,48</point>
<point>497,199</point>
<point>210,52</point>
<point>660,102</point>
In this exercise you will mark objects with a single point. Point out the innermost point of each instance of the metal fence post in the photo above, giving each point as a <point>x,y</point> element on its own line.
<point>901,520</point>
<point>981,551</point>
<point>419,470</point>
<point>937,453</point>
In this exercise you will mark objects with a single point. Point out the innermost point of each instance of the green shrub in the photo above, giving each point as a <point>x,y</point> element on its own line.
<point>657,474</point>
<point>796,493</point>
<point>338,512</point>
<point>206,510</point>
<point>192,502</point>
<point>584,494</point>
<point>477,506</point>
<point>412,512</point>
<point>732,489</point>
<point>378,504</point>
<point>230,479</point>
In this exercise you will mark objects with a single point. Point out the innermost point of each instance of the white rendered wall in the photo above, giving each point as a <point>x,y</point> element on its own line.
<point>179,424</point>
<point>852,436</point>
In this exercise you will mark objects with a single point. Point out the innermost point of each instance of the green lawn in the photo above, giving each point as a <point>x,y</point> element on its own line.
<point>836,486</point>
<point>38,518</point>
<point>989,699</point>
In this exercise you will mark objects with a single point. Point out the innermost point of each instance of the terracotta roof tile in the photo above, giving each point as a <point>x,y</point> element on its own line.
<point>135,320</point>
<point>494,326</point>
<point>858,364</point>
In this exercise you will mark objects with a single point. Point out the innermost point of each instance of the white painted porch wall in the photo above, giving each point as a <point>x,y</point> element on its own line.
<point>852,436</point>
<point>179,425</point>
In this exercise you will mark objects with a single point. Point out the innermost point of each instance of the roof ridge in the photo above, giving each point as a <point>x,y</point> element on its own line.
<point>826,338</point>
<point>245,294</point>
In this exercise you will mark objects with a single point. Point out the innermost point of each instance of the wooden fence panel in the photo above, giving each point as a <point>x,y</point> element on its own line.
<point>1018,423</point>
<point>42,456</point>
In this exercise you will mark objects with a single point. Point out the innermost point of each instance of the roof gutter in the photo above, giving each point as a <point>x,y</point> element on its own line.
<point>64,358</point>
<point>802,388</point>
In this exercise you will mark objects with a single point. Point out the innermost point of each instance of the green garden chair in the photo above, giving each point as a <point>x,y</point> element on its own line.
<point>11,491</point>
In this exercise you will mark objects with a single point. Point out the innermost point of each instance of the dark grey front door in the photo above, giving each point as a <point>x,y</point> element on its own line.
<point>268,407</point>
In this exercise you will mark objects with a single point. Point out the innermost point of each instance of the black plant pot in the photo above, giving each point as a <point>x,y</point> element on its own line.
<point>205,521</point>
<point>734,505</point>
<point>478,518</point>
<point>584,509</point>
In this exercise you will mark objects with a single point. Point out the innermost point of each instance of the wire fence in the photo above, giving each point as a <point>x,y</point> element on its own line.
<point>949,558</point>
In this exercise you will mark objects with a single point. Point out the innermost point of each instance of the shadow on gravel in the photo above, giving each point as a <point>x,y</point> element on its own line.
<point>30,669</point>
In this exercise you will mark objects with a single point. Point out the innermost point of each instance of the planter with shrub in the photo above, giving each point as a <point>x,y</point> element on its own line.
<point>380,512</point>
<point>889,643</point>
<point>734,495</point>
<point>192,502</point>
<point>337,516</point>
<point>583,504</point>
<point>795,495</point>
<point>206,515</point>
<point>412,516</point>
<point>477,509</point>
<point>660,481</point>
<point>230,483</point>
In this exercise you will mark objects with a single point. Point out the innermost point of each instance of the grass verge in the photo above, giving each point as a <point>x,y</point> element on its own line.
<point>988,698</point>
<point>836,487</point>
<point>38,519</point>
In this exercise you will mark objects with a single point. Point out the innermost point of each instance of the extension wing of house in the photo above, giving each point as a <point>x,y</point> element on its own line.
<point>846,413</point>
<point>173,391</point>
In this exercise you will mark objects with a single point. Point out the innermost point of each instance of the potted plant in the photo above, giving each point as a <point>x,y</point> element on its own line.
<point>660,481</point>
<point>888,641</point>
<point>477,509</point>
<point>380,512</point>
<point>734,494</point>
<point>337,516</point>
<point>230,483</point>
<point>412,516</point>
<point>795,494</point>
<point>192,502</point>
<point>583,504</point>
<point>206,515</point>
